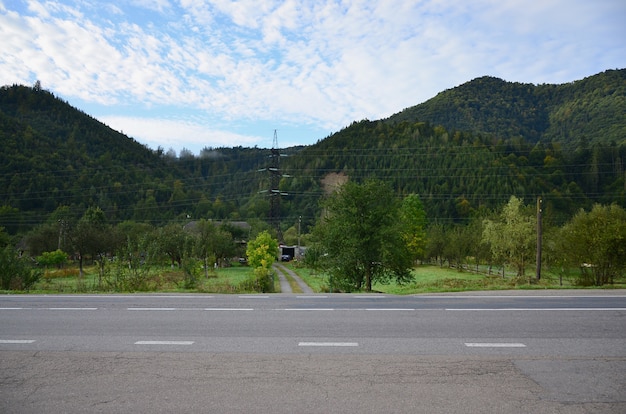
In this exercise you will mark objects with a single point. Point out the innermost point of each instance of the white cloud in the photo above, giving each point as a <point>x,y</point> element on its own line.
<point>177,134</point>
<point>310,62</point>
<point>155,5</point>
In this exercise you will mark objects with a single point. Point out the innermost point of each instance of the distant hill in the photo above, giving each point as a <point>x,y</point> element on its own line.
<point>465,152</point>
<point>592,109</point>
<point>54,155</point>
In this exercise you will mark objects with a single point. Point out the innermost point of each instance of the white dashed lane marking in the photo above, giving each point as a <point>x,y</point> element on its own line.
<point>494,345</point>
<point>337,344</point>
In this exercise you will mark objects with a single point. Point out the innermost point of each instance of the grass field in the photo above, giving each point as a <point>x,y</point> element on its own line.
<point>158,279</point>
<point>428,278</point>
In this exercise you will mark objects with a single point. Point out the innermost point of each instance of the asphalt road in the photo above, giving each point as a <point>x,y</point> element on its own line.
<point>561,352</point>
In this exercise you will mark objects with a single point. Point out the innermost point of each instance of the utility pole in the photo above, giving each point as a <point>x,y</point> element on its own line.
<point>274,191</point>
<point>539,236</point>
<point>299,224</point>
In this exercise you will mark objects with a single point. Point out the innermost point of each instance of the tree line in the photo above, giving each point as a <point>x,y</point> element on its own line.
<point>368,235</point>
<point>122,252</point>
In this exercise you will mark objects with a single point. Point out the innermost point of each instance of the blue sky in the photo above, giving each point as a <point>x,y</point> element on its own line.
<point>194,74</point>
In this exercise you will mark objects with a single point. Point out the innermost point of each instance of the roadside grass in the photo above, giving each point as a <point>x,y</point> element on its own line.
<point>436,279</point>
<point>229,280</point>
<point>226,280</point>
<point>157,279</point>
<point>66,280</point>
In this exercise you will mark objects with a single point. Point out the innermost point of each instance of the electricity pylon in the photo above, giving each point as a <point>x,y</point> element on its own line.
<point>274,192</point>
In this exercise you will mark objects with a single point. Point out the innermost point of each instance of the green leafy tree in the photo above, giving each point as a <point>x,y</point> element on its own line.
<point>46,237</point>
<point>595,241</point>
<point>512,238</point>
<point>413,225</point>
<point>89,236</point>
<point>172,241</point>
<point>437,242</point>
<point>133,230</point>
<point>262,253</point>
<point>206,238</point>
<point>212,243</point>
<point>290,236</point>
<point>361,236</point>
<point>224,246</point>
<point>473,234</point>
<point>458,246</point>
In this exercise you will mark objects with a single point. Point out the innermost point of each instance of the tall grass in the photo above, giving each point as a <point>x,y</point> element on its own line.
<point>157,279</point>
<point>428,278</point>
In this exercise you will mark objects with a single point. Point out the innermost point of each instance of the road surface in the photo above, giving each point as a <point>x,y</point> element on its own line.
<point>562,352</point>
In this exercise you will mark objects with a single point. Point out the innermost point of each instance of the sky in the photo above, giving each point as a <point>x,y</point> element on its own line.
<point>194,74</point>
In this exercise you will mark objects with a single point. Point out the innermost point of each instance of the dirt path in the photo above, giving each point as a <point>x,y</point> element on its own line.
<point>281,270</point>
<point>285,287</point>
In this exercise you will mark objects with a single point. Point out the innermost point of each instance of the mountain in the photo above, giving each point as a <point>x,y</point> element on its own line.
<point>55,155</point>
<point>592,109</point>
<point>465,152</point>
<point>471,147</point>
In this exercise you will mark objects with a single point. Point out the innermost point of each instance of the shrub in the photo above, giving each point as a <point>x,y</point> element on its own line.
<point>192,270</point>
<point>16,273</point>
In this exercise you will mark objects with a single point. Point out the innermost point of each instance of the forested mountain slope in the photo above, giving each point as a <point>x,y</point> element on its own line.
<point>458,174</point>
<point>591,109</point>
<point>464,152</point>
<point>55,155</point>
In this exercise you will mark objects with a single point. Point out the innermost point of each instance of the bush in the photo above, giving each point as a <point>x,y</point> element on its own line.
<point>261,281</point>
<point>16,273</point>
<point>56,258</point>
<point>192,270</point>
<point>129,274</point>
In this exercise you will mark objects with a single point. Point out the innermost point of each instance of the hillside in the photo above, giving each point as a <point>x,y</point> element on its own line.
<point>465,152</point>
<point>460,174</point>
<point>55,155</point>
<point>593,109</point>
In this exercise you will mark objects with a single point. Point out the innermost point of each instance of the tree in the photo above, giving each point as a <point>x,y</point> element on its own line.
<point>413,224</point>
<point>224,246</point>
<point>436,242</point>
<point>173,242</point>
<point>92,236</point>
<point>211,242</point>
<point>46,237</point>
<point>261,254</point>
<point>512,239</point>
<point>596,241</point>
<point>458,246</point>
<point>362,238</point>
<point>133,230</point>
<point>205,232</point>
